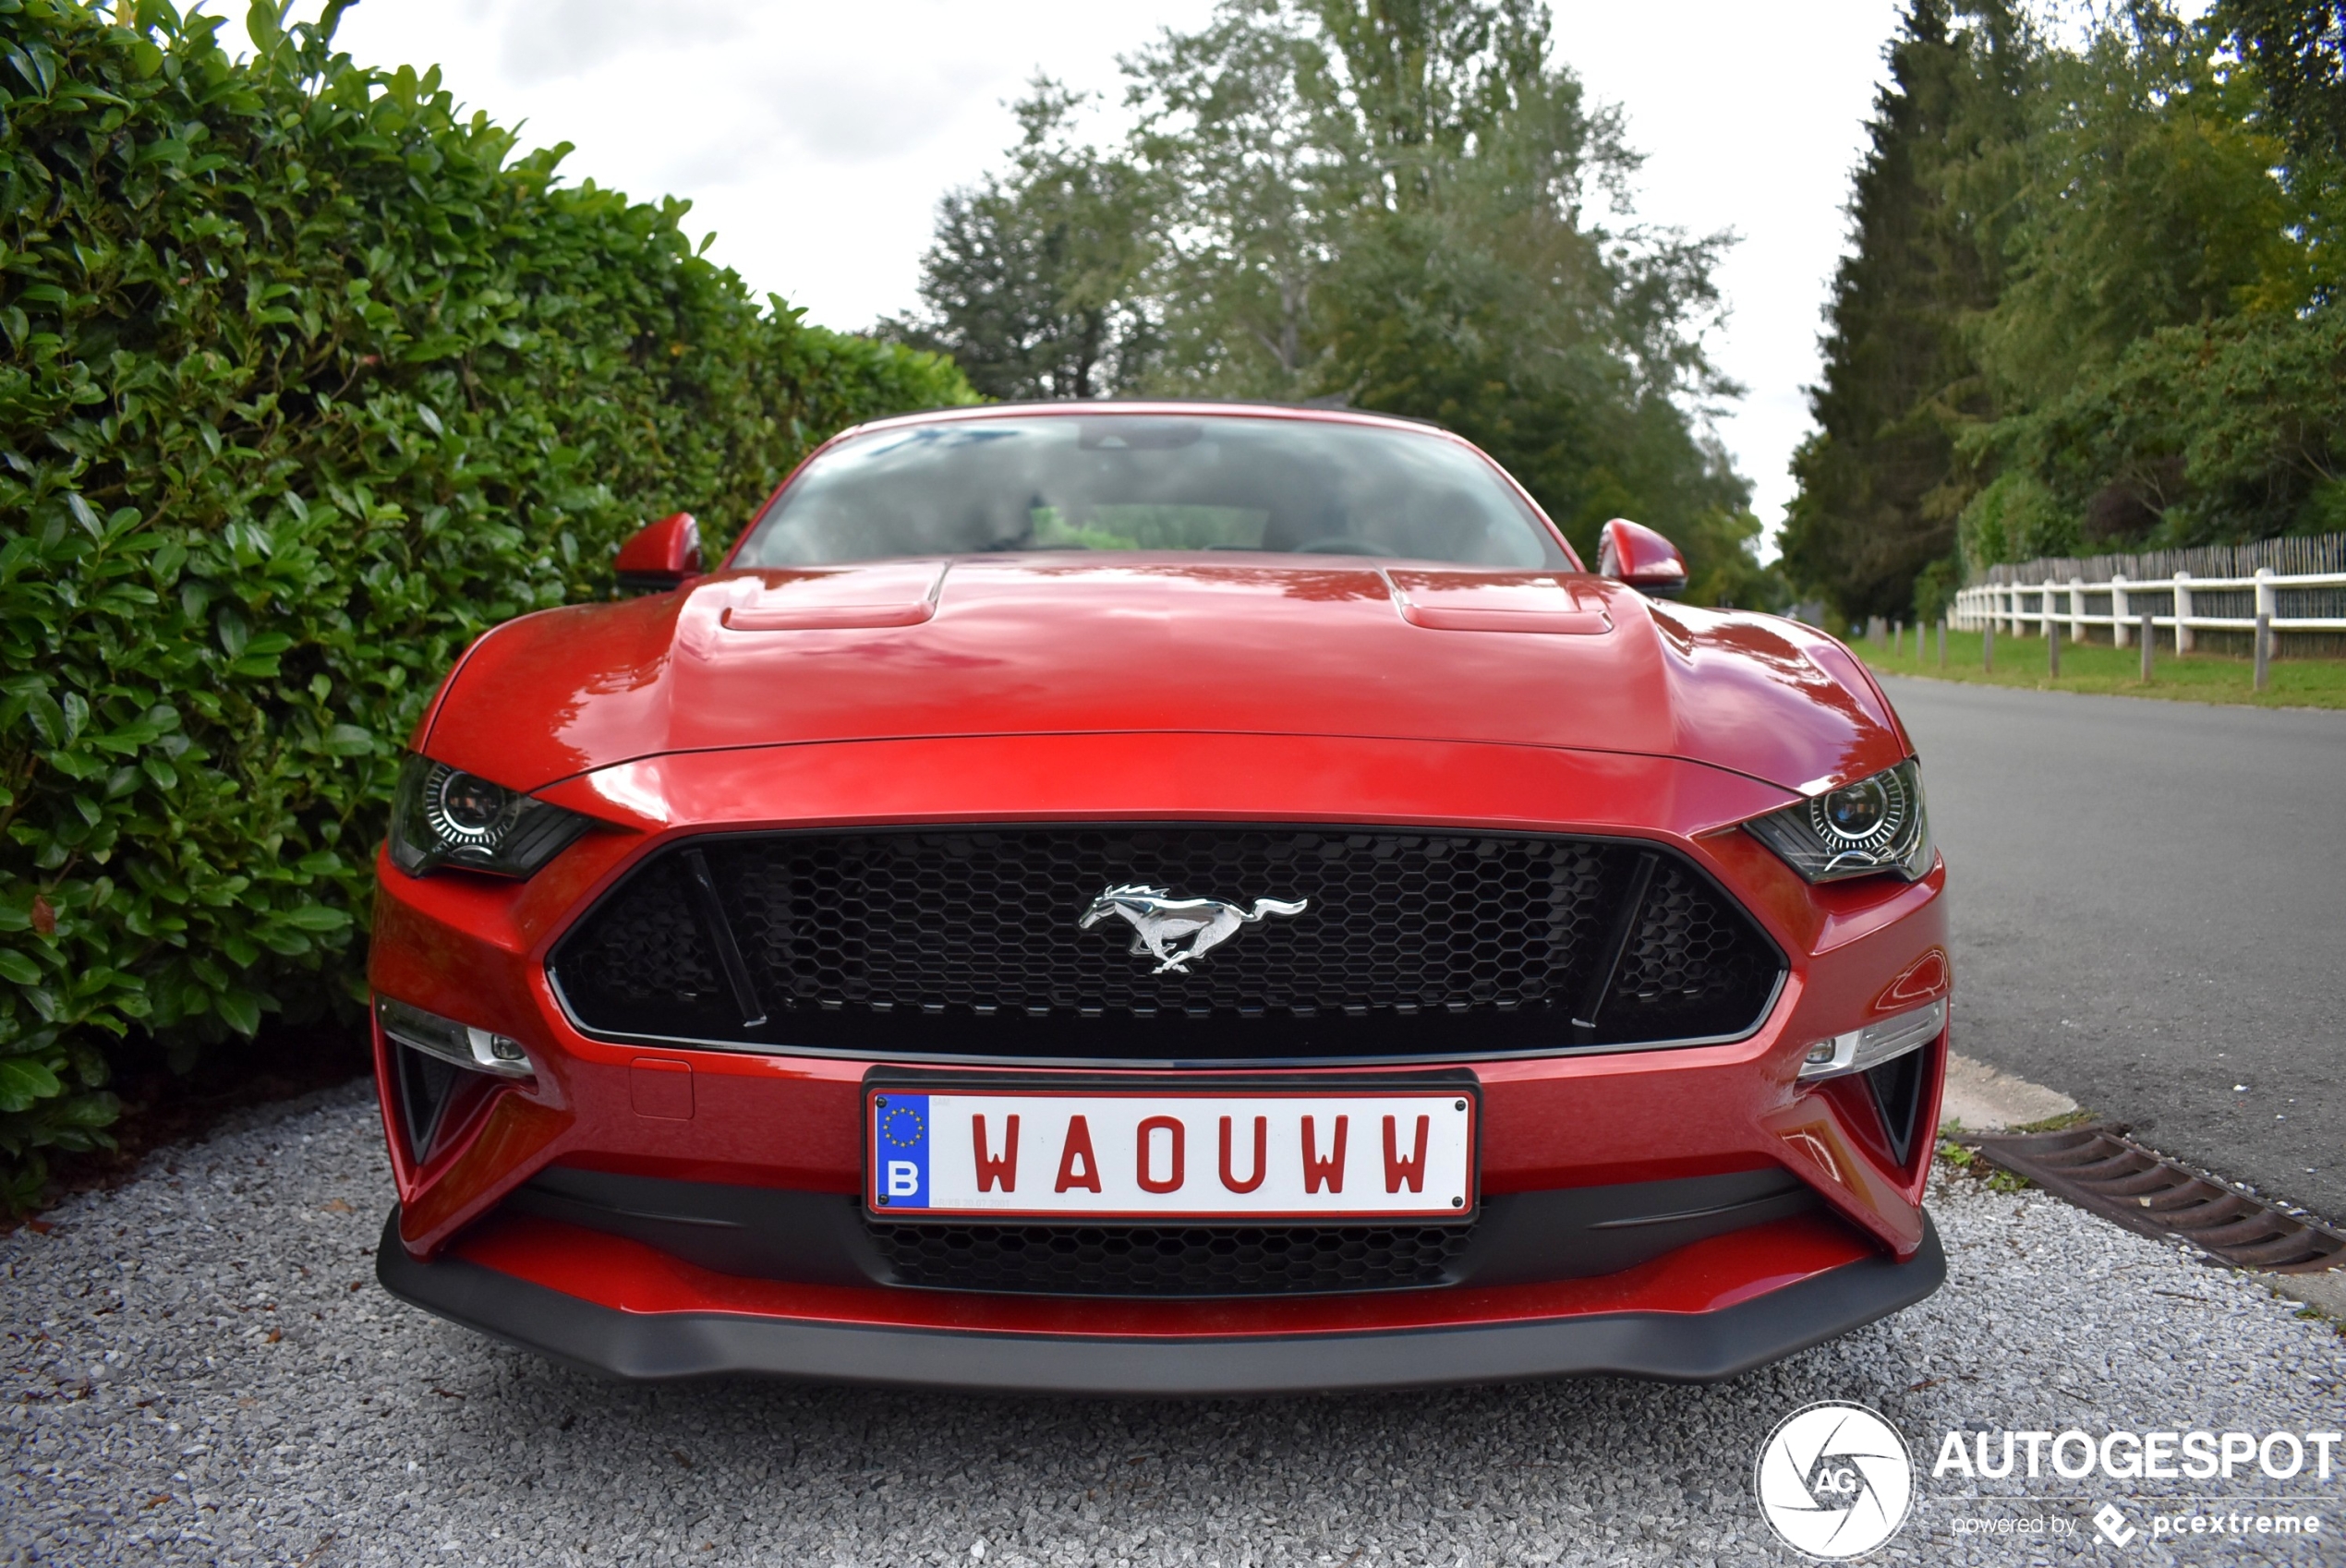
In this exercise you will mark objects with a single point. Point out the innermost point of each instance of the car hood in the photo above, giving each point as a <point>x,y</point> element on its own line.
<point>1067,643</point>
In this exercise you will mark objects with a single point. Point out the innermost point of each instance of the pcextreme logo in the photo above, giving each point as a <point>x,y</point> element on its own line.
<point>1835,1481</point>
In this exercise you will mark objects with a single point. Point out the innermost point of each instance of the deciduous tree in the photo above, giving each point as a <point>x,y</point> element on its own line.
<point>1031,283</point>
<point>1405,205</point>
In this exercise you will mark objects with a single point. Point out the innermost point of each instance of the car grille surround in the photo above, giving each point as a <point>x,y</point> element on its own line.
<point>963,943</point>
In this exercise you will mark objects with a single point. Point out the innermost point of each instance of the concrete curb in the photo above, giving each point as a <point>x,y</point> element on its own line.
<point>1986,1099</point>
<point>2325,1292</point>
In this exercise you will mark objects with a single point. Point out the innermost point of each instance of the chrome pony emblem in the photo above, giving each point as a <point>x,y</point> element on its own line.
<point>1161,922</point>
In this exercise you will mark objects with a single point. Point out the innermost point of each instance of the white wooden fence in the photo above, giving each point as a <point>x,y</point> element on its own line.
<point>2121,604</point>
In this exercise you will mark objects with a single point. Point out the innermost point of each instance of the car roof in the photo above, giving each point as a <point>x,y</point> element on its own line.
<point>1086,407</point>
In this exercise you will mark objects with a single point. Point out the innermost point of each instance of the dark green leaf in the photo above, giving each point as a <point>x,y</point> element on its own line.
<point>24,1080</point>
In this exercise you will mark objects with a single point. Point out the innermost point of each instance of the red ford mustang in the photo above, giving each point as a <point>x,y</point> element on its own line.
<point>1159,899</point>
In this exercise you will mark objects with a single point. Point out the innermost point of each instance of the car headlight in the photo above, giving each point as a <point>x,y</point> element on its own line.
<point>442,815</point>
<point>1875,824</point>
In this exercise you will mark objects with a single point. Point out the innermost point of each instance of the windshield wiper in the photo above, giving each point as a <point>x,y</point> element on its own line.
<point>1022,542</point>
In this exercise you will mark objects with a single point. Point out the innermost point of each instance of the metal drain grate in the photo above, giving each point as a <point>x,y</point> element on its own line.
<point>2103,1171</point>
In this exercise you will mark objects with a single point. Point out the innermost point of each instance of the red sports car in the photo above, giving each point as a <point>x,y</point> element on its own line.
<point>1158,898</point>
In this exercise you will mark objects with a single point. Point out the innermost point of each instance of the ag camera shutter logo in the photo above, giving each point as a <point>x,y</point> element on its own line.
<point>1835,1481</point>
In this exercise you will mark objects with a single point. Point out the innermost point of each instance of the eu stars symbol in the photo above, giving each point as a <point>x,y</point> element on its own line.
<point>901,1151</point>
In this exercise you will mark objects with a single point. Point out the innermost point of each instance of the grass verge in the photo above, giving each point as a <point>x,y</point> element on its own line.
<point>1967,1161</point>
<point>2109,672</point>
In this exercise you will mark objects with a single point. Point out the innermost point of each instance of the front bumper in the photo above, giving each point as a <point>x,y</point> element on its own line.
<point>1675,1346</point>
<point>641,1300</point>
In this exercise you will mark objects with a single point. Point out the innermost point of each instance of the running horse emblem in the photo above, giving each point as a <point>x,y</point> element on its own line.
<point>1161,922</point>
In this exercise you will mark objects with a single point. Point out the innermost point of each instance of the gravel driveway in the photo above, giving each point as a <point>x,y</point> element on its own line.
<point>200,1369</point>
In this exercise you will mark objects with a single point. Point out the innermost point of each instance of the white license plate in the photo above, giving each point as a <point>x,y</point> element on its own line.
<point>1144,1154</point>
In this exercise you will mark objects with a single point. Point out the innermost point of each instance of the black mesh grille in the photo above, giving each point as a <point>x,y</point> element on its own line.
<point>647,949</point>
<point>1426,923</point>
<point>1692,947</point>
<point>965,943</point>
<point>1172,1261</point>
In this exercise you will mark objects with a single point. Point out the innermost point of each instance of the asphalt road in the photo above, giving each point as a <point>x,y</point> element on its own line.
<point>2150,916</point>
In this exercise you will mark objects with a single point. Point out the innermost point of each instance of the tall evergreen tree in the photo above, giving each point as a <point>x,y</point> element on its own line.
<point>1880,486</point>
<point>2090,292</point>
<point>2299,48</point>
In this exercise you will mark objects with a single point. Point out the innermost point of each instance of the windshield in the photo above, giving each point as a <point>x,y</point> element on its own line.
<point>1149,481</point>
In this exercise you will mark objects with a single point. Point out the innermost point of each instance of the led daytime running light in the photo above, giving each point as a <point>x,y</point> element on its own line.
<point>461,1044</point>
<point>1862,1050</point>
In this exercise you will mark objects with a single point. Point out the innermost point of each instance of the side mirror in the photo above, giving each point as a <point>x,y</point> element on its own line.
<point>1635,554</point>
<point>661,555</point>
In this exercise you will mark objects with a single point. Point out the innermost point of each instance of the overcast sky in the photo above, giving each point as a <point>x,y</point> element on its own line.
<point>815,139</point>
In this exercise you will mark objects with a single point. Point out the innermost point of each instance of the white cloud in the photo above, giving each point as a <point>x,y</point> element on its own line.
<point>856,116</point>
<point>815,139</point>
<point>547,40</point>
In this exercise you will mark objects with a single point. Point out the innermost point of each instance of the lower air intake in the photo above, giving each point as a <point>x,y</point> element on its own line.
<point>1172,1261</point>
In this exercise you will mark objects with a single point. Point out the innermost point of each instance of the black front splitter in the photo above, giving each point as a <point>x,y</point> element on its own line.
<point>1671,1346</point>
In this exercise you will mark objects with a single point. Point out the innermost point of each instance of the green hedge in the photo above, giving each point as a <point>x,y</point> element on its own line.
<point>308,379</point>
